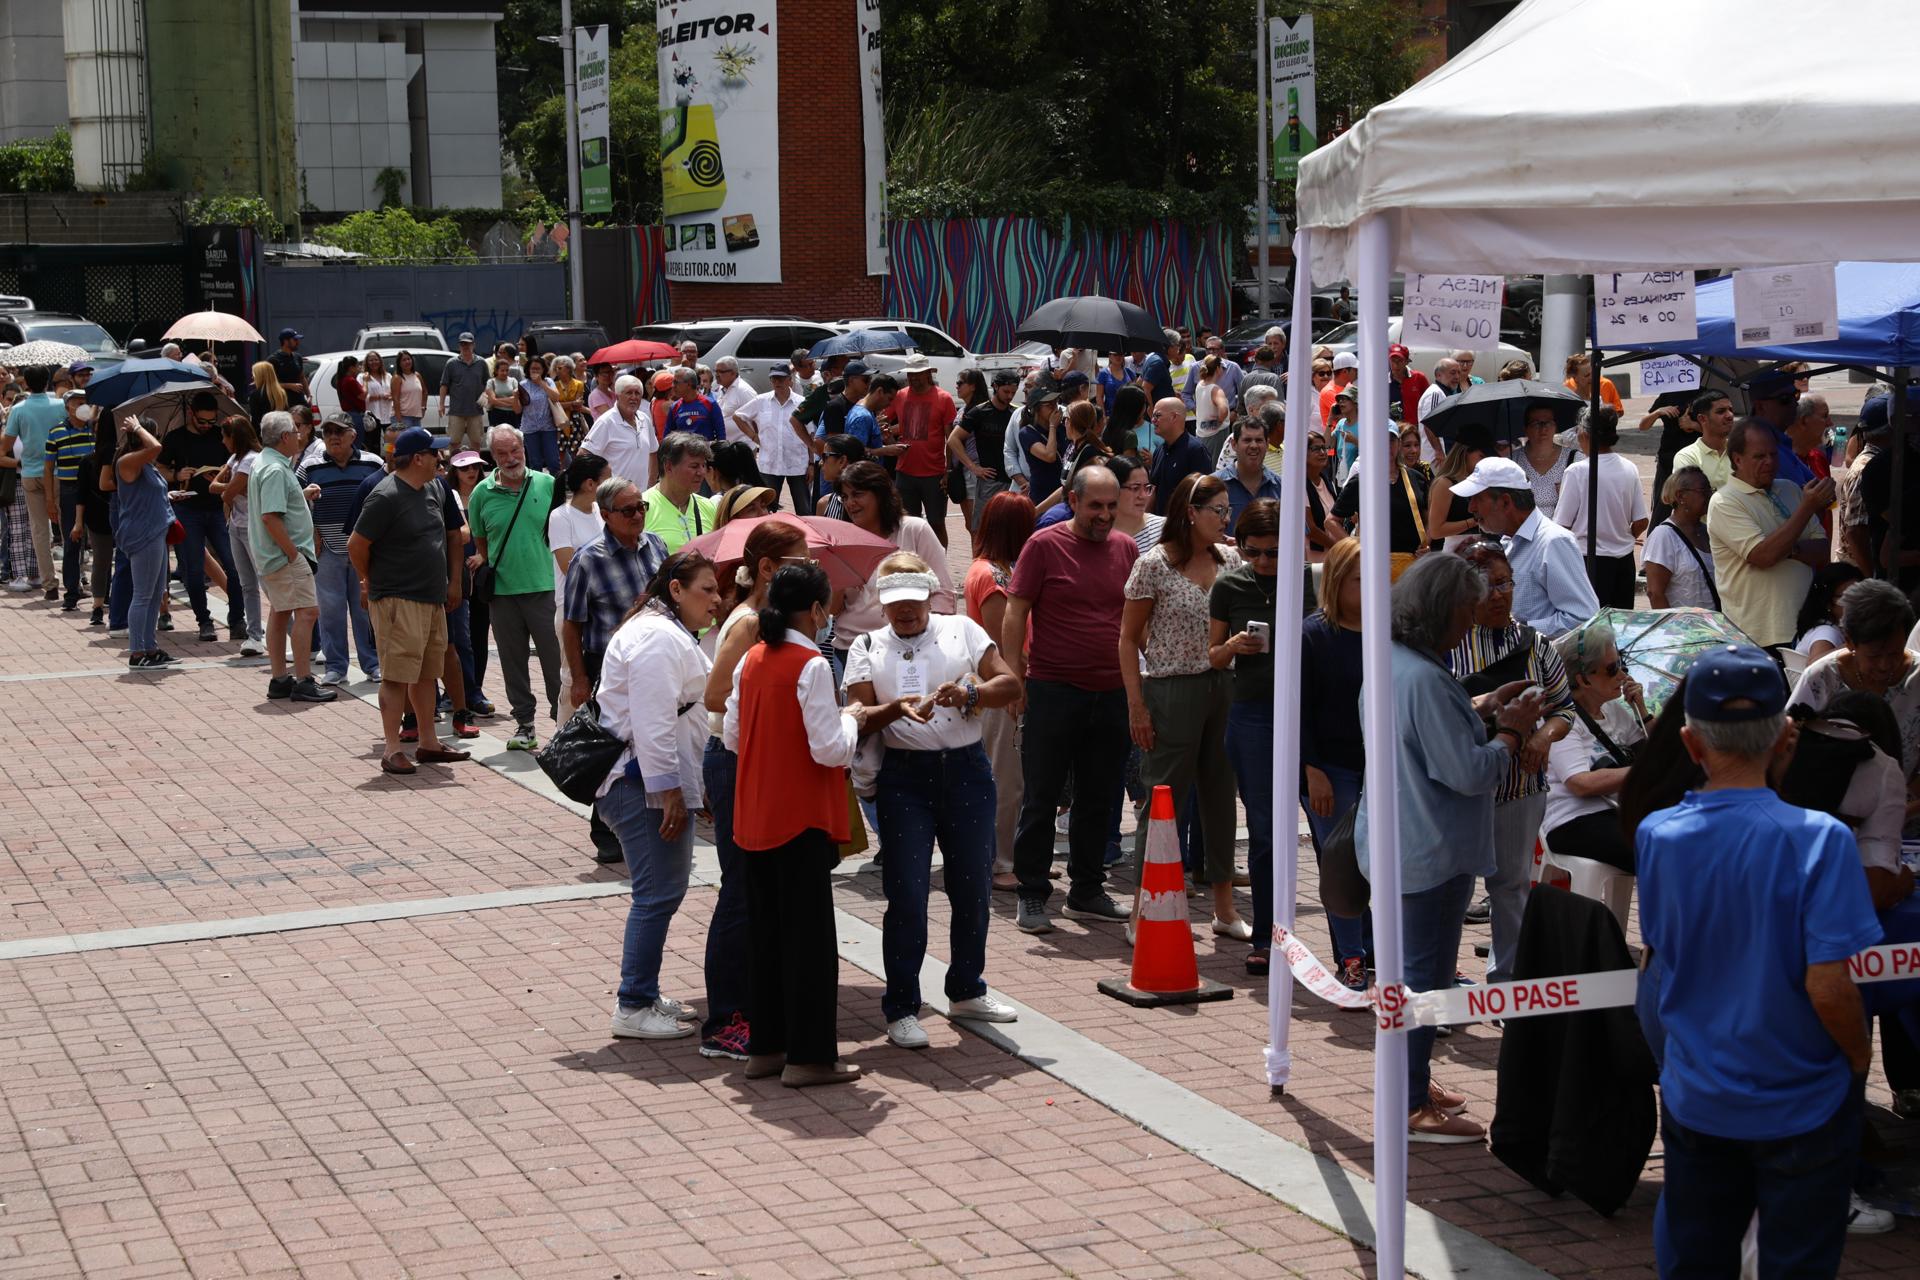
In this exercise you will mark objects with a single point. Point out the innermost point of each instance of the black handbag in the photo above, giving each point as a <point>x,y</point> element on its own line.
<point>480,587</point>
<point>579,756</point>
<point>1343,890</point>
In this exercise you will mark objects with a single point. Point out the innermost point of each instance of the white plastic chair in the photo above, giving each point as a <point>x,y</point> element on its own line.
<point>1608,885</point>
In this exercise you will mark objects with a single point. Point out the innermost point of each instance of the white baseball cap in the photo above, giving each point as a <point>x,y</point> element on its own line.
<point>1346,360</point>
<point>1492,473</point>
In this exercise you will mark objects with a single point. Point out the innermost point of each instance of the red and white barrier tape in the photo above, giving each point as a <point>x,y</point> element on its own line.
<point>1398,1009</point>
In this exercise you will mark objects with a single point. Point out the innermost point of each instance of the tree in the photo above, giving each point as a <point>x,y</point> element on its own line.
<point>539,142</point>
<point>530,71</point>
<point>396,235</point>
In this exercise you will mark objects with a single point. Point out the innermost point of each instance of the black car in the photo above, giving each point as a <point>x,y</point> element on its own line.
<point>17,327</point>
<point>564,337</point>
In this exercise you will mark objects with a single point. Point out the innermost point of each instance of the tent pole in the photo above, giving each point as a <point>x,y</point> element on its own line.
<point>1897,417</point>
<point>1286,664</point>
<point>1593,456</point>
<point>1378,460</point>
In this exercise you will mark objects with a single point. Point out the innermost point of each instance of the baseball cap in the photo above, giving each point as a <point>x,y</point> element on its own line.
<point>779,369</point>
<point>290,332</point>
<point>84,366</point>
<point>1346,393</point>
<point>1735,682</point>
<point>465,458</point>
<point>466,337</point>
<point>1876,414</point>
<point>856,369</point>
<point>74,392</point>
<point>1399,349</point>
<point>1074,379</point>
<point>1492,473</point>
<point>338,422</point>
<point>1771,384</point>
<point>895,587</point>
<point>416,440</point>
<point>1346,360</point>
<point>663,380</point>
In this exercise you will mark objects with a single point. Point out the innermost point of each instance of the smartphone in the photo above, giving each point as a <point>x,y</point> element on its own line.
<point>1263,632</point>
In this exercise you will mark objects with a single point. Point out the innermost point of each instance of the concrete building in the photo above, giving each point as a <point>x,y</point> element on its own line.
<point>33,72</point>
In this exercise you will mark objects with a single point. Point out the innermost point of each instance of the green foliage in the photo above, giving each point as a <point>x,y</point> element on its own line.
<point>240,211</point>
<point>150,176</point>
<point>529,71</point>
<point>395,235</point>
<point>38,164</point>
<point>390,182</point>
<point>539,142</point>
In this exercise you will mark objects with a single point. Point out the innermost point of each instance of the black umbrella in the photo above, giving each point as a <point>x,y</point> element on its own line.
<point>1105,324</point>
<point>1501,408</point>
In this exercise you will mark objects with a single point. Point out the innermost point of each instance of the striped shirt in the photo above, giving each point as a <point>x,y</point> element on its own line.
<point>1482,648</point>
<point>603,580</point>
<point>69,445</point>
<point>339,485</point>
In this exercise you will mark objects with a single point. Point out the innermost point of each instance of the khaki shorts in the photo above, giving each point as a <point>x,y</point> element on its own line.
<point>462,427</point>
<point>290,587</point>
<point>412,638</point>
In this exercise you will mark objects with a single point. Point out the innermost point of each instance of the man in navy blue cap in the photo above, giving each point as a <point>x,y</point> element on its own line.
<point>1750,908</point>
<point>1776,402</point>
<point>286,362</point>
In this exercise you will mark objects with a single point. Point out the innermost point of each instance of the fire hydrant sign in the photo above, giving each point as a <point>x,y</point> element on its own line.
<point>1645,306</point>
<point>1452,311</point>
<point>1773,306</point>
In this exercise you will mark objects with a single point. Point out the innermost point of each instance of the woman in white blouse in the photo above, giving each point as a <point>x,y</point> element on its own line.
<point>927,678</point>
<point>652,688</point>
<point>571,526</point>
<point>379,386</point>
<point>1678,561</point>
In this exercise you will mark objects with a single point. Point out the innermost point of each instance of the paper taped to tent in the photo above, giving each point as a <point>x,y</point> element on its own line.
<point>1879,321</point>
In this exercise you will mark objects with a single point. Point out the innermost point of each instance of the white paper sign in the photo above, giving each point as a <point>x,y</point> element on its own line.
<point>1452,311</point>
<point>1668,373</point>
<point>1645,306</point>
<point>1777,305</point>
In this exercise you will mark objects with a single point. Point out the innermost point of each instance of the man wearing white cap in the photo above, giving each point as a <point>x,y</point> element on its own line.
<point>1346,367</point>
<point>1551,592</point>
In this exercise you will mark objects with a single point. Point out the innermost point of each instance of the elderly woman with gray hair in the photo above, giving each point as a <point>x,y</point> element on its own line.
<point>1448,763</point>
<point>1876,618</point>
<point>1587,768</point>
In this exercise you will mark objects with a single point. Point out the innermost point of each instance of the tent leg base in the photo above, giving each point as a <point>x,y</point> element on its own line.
<point>1124,991</point>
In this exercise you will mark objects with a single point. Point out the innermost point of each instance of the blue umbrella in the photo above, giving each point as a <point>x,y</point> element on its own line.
<point>859,342</point>
<point>134,378</point>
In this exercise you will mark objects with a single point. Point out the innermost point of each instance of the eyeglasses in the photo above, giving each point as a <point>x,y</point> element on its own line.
<point>1500,587</point>
<point>1611,669</point>
<point>1137,488</point>
<point>638,508</point>
<point>1259,553</point>
<point>1222,510</point>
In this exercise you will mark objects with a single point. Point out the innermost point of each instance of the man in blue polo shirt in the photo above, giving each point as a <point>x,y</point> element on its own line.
<point>1776,402</point>
<point>332,484</point>
<point>692,412</point>
<point>1750,908</point>
<point>1245,469</point>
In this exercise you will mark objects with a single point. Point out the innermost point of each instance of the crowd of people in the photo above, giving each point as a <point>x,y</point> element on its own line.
<point>1112,633</point>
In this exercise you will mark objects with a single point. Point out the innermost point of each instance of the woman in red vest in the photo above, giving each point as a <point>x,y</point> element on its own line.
<point>789,818</point>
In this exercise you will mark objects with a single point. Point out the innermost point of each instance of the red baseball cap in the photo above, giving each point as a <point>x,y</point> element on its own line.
<point>1398,350</point>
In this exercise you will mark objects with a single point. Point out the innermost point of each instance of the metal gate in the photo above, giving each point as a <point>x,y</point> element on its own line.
<point>130,290</point>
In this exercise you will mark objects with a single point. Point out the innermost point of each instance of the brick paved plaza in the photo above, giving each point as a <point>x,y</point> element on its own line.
<point>265,1011</point>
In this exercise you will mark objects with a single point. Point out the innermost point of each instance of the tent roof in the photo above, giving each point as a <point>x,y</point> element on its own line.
<point>1600,135</point>
<point>1879,320</point>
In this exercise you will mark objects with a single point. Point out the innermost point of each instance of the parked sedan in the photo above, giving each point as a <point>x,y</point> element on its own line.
<point>320,369</point>
<point>1423,357</point>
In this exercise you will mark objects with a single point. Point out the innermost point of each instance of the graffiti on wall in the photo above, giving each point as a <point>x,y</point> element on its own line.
<point>489,326</point>
<point>978,277</point>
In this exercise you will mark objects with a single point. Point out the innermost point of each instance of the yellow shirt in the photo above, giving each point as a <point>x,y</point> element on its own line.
<point>569,389</point>
<point>1717,465</point>
<point>1764,603</point>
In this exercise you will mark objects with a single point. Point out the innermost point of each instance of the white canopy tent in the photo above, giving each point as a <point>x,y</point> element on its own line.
<point>1578,136</point>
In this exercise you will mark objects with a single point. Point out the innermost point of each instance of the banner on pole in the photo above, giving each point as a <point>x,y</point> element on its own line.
<point>590,74</point>
<point>1296,120</point>
<point>873,133</point>
<point>720,142</point>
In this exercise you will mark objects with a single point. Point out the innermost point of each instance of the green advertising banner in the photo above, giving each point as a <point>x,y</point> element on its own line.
<point>590,77</point>
<point>1295,118</point>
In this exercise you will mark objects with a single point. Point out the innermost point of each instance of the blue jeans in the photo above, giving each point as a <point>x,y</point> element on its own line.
<point>543,451</point>
<point>1351,938</point>
<point>120,590</point>
<point>924,796</point>
<point>659,870</point>
<point>208,530</point>
<point>1250,748</point>
<point>146,579</point>
<point>1799,1185</point>
<point>1430,923</point>
<point>729,941</point>
<point>338,587</point>
<point>460,636</point>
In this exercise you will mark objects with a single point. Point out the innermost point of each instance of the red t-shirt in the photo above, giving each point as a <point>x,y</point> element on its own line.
<point>1077,589</point>
<point>1412,387</point>
<point>925,420</point>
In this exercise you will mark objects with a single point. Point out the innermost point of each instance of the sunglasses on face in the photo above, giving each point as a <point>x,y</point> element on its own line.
<point>638,508</point>
<point>1260,553</point>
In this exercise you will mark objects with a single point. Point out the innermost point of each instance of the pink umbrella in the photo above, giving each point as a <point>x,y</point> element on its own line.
<point>212,326</point>
<point>847,552</point>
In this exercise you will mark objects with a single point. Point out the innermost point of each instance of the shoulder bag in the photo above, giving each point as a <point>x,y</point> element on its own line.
<point>480,590</point>
<point>1706,570</point>
<point>579,755</point>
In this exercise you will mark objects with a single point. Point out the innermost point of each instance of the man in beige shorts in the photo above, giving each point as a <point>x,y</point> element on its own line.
<point>410,575</point>
<point>280,535</point>
<point>463,386</point>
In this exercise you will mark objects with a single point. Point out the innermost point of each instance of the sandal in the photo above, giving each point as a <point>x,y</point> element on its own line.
<point>1006,881</point>
<point>1257,963</point>
<point>397,763</point>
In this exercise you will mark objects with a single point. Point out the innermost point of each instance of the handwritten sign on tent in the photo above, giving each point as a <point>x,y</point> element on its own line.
<point>1668,373</point>
<point>1645,306</point>
<point>1452,311</point>
<point>1775,305</point>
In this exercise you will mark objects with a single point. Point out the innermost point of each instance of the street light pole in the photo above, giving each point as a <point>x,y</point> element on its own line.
<point>575,273</point>
<point>1262,143</point>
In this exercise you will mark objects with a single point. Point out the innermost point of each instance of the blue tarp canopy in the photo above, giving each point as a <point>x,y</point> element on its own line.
<point>1879,321</point>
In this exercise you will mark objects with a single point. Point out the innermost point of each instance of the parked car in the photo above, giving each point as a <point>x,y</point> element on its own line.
<point>320,369</point>
<point>29,325</point>
<point>416,336</point>
<point>949,357</point>
<point>1424,357</point>
<point>1246,298</point>
<point>755,342</point>
<point>565,337</point>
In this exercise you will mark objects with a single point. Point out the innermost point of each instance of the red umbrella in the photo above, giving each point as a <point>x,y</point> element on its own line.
<point>847,552</point>
<point>633,351</point>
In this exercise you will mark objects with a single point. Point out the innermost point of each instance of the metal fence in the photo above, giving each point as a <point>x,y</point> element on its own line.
<point>130,290</point>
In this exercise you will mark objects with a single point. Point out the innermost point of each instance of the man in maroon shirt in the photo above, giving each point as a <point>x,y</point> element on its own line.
<point>1070,584</point>
<point>925,414</point>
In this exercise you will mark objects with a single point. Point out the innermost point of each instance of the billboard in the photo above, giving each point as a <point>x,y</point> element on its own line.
<point>720,141</point>
<point>590,80</point>
<point>873,133</point>
<point>1296,122</point>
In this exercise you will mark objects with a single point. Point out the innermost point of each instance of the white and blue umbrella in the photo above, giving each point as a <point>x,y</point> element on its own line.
<point>135,378</point>
<point>859,342</point>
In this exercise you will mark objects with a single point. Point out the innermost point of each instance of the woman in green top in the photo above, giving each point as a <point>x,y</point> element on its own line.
<point>1240,610</point>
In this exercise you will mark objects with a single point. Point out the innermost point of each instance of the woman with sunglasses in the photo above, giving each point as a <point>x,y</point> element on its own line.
<point>1587,767</point>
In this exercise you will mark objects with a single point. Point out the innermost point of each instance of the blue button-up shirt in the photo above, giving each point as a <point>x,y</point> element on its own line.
<point>1789,464</point>
<point>1551,590</point>
<point>603,580</point>
<point>1238,495</point>
<point>1230,376</point>
<point>1445,772</point>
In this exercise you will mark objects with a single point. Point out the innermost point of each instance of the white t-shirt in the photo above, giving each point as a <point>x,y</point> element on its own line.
<point>731,400</point>
<point>1667,547</point>
<point>949,649</point>
<point>568,526</point>
<point>628,448</point>
<point>1574,754</point>
<point>1815,634</point>
<point>782,453</point>
<point>237,513</point>
<point>1623,500</point>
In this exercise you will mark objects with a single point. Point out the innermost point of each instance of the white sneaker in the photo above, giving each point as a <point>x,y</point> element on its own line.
<point>116,633</point>
<point>985,1009</point>
<point>648,1024</point>
<point>674,1009</point>
<point>1238,930</point>
<point>19,584</point>
<point>252,648</point>
<point>327,679</point>
<point>1062,821</point>
<point>907,1033</point>
<point>1129,932</point>
<point>1864,1219</point>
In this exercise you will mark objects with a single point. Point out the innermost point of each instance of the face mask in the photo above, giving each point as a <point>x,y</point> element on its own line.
<point>84,413</point>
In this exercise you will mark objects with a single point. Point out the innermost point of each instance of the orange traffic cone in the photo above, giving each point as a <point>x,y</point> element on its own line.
<point>1164,969</point>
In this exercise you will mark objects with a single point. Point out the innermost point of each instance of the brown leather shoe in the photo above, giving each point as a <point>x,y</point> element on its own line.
<point>441,755</point>
<point>1444,1098</point>
<point>1430,1124</point>
<point>762,1065</point>
<point>804,1076</point>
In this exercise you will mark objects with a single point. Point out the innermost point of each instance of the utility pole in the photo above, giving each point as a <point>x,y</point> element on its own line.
<point>1261,143</point>
<point>575,273</point>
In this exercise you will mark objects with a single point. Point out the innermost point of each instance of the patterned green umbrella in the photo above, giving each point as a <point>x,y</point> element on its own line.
<point>1658,645</point>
